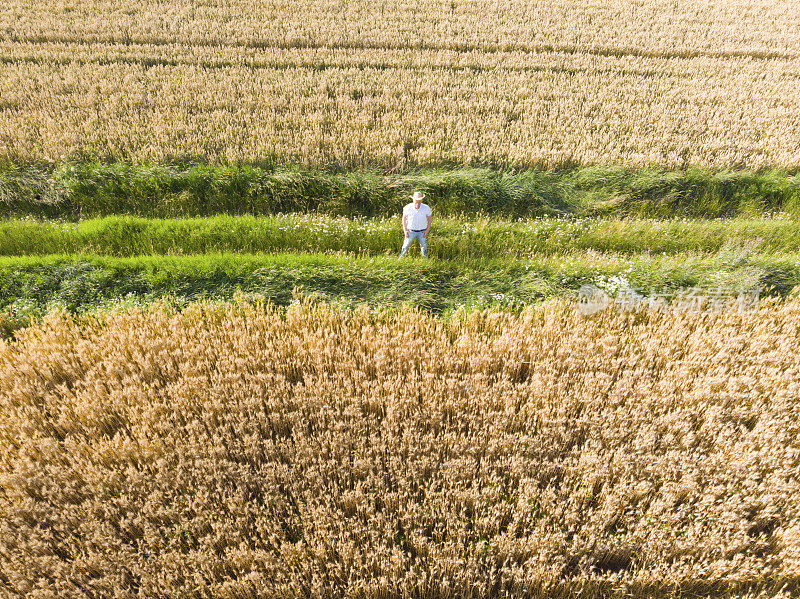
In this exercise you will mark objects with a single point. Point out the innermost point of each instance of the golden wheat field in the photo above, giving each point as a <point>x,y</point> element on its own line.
<point>399,83</point>
<point>240,450</point>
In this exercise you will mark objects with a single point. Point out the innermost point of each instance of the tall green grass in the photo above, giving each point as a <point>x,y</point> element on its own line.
<point>87,190</point>
<point>451,238</point>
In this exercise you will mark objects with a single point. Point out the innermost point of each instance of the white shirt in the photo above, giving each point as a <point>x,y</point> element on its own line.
<point>417,219</point>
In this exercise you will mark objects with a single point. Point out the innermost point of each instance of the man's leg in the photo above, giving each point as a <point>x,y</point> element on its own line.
<point>406,244</point>
<point>423,243</point>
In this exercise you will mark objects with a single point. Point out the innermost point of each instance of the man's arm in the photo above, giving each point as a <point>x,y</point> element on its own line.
<point>405,228</point>
<point>430,219</point>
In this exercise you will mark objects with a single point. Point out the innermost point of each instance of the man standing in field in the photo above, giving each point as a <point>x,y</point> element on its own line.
<point>417,219</point>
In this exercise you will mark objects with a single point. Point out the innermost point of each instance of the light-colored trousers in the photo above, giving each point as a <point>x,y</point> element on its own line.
<point>419,236</point>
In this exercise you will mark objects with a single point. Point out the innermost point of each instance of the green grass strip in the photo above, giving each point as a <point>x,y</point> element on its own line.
<point>87,190</point>
<point>451,239</point>
<point>82,282</point>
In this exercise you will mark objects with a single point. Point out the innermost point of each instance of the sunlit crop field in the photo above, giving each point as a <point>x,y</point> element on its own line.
<point>452,428</point>
<point>241,450</point>
<point>393,84</point>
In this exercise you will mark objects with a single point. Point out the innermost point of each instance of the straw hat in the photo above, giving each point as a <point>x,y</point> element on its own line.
<point>418,195</point>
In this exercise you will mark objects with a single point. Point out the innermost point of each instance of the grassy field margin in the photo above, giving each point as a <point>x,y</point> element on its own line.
<point>452,239</point>
<point>80,282</point>
<point>87,190</point>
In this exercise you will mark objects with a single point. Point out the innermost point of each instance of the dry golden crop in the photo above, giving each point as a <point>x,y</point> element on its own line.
<point>391,83</point>
<point>241,451</point>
